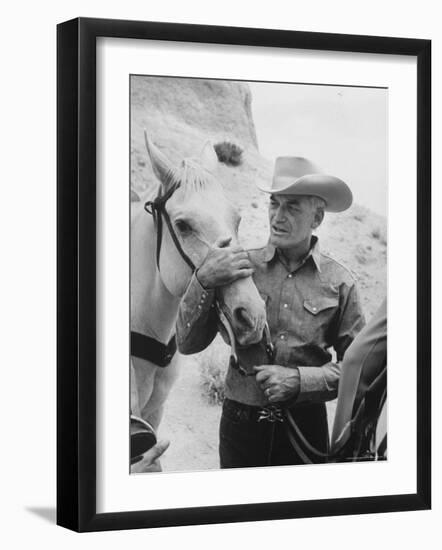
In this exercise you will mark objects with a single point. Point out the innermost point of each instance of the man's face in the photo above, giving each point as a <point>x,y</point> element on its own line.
<point>292,219</point>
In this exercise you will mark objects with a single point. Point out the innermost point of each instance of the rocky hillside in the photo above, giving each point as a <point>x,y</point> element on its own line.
<point>181,114</point>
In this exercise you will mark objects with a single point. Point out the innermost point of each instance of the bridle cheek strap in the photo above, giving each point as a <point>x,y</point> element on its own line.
<point>176,242</point>
<point>157,208</point>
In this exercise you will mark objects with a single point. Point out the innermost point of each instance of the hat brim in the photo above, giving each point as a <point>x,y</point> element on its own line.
<point>335,192</point>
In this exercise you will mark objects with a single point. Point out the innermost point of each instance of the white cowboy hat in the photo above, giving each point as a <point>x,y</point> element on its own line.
<point>298,176</point>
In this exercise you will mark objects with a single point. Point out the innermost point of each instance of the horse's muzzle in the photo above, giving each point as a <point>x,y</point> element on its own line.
<point>248,334</point>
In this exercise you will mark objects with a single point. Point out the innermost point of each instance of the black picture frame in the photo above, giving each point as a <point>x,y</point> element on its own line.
<point>77,287</point>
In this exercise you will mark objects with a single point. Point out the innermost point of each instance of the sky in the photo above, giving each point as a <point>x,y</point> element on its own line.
<point>340,129</point>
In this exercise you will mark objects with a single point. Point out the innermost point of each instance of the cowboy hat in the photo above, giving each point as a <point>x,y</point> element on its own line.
<point>298,176</point>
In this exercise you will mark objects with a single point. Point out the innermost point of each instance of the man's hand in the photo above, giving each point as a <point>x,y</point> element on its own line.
<point>223,265</point>
<point>150,462</point>
<point>278,383</point>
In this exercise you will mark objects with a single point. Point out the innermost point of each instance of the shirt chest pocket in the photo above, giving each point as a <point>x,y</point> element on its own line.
<point>320,313</point>
<point>316,306</point>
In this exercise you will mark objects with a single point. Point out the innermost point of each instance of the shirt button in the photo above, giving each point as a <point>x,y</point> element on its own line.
<point>290,275</point>
<point>200,307</point>
<point>187,325</point>
<point>282,336</point>
<point>286,306</point>
<point>314,308</point>
<point>204,295</point>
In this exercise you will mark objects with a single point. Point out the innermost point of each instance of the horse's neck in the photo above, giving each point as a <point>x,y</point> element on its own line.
<point>153,309</point>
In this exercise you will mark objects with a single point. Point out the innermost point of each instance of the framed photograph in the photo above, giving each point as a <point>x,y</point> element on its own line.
<point>243,234</point>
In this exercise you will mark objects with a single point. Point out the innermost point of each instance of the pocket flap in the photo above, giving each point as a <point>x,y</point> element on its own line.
<point>316,305</point>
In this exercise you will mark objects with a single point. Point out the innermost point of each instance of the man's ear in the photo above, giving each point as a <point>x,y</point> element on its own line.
<point>318,217</point>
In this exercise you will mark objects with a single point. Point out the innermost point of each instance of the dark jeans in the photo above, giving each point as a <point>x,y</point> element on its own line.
<point>245,442</point>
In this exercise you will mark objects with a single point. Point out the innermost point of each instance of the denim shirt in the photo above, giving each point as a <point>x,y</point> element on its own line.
<point>309,310</point>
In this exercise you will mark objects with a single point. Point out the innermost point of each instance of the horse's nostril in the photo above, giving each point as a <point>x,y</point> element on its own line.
<point>243,317</point>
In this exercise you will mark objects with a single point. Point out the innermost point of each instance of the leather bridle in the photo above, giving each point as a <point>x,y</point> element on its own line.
<point>157,208</point>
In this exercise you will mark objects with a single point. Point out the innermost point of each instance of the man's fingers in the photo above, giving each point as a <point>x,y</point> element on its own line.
<point>262,376</point>
<point>243,263</point>
<point>239,252</point>
<point>149,462</point>
<point>156,451</point>
<point>273,398</point>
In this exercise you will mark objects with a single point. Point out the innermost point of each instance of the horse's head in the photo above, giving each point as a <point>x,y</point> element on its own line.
<point>199,213</point>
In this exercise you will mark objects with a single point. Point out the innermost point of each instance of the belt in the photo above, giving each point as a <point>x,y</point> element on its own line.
<point>253,413</point>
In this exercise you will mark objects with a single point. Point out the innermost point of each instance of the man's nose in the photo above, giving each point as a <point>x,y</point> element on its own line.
<point>279,214</point>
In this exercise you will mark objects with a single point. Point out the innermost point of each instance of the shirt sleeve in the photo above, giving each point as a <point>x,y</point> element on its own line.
<point>319,384</point>
<point>196,325</point>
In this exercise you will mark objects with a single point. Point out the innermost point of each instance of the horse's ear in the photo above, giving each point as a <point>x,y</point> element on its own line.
<point>161,165</point>
<point>208,157</point>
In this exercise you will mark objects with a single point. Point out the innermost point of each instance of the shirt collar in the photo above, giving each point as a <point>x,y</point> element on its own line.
<point>314,253</point>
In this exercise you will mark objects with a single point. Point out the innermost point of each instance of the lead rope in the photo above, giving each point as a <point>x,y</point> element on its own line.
<point>370,427</point>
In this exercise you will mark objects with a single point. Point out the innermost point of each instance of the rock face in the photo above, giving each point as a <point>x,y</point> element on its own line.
<point>181,114</point>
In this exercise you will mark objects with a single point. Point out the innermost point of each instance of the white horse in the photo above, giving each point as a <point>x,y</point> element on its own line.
<point>199,214</point>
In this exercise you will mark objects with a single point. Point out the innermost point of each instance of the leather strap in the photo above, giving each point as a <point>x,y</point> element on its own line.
<point>143,347</point>
<point>365,419</point>
<point>157,208</point>
<point>297,436</point>
<point>176,241</point>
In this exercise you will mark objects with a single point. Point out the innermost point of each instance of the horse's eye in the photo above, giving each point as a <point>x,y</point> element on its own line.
<point>182,226</point>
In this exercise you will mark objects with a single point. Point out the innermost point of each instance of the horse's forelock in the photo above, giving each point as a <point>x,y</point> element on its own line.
<point>192,177</point>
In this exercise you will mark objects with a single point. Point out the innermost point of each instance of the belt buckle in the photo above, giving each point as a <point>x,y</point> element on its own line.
<point>270,414</point>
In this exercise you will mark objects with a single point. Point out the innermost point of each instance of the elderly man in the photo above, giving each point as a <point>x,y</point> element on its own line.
<point>312,305</point>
